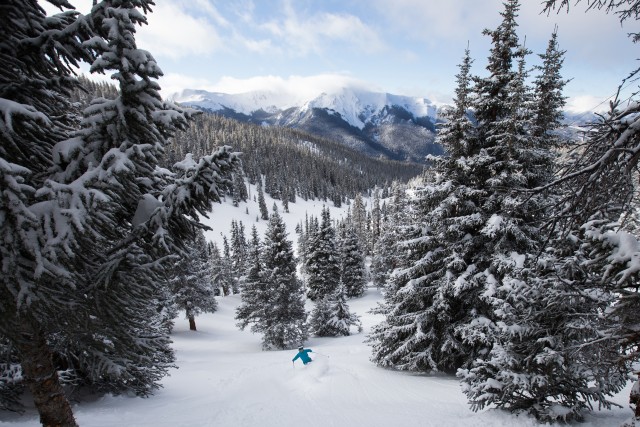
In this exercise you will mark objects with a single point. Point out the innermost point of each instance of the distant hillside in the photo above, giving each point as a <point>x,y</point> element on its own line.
<point>376,124</point>
<point>293,163</point>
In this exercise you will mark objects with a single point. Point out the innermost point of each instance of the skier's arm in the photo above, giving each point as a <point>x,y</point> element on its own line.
<point>295,358</point>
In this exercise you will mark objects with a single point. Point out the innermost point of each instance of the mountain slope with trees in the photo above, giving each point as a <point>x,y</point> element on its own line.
<point>292,163</point>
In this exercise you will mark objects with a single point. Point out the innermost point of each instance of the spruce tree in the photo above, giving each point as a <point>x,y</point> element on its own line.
<point>420,307</point>
<point>284,322</point>
<point>190,281</point>
<point>331,316</point>
<point>385,257</point>
<point>262,204</point>
<point>352,271</point>
<point>474,223</point>
<point>255,295</point>
<point>238,251</point>
<point>91,220</point>
<point>226,278</point>
<point>319,318</point>
<point>240,193</point>
<point>359,217</point>
<point>323,264</point>
<point>542,306</point>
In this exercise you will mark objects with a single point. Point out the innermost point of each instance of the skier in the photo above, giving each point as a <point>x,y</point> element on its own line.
<point>303,354</point>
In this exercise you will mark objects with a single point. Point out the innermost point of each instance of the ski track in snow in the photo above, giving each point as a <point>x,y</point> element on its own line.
<point>225,380</point>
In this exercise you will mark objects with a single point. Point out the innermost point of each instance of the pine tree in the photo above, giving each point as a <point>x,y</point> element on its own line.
<point>385,252</point>
<point>262,205</point>
<point>191,281</point>
<point>91,220</point>
<point>226,278</point>
<point>239,191</point>
<point>319,318</point>
<point>331,316</point>
<point>376,219</point>
<point>238,252</point>
<point>359,217</point>
<point>548,85</point>
<point>352,271</point>
<point>322,266</point>
<point>420,307</point>
<point>255,295</point>
<point>284,322</point>
<point>549,358</point>
<point>541,307</point>
<point>474,224</point>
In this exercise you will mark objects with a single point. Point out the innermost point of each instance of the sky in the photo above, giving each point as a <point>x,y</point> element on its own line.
<point>405,47</point>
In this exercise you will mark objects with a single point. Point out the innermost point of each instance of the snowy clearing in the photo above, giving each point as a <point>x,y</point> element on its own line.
<point>225,380</point>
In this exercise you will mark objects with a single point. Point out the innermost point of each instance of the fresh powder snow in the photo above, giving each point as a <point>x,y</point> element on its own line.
<point>224,379</point>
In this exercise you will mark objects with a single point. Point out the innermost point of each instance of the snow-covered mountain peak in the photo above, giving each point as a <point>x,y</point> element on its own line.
<point>356,106</point>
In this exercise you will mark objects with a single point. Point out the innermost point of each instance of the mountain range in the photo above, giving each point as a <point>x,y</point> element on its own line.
<point>377,124</point>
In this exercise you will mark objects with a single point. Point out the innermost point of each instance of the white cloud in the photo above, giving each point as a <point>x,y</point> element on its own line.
<point>593,37</point>
<point>292,87</point>
<point>580,104</point>
<point>172,83</point>
<point>174,33</point>
<point>302,35</point>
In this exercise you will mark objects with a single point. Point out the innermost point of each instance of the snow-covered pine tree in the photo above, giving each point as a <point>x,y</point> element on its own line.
<point>239,189</point>
<point>226,278</point>
<point>238,252</point>
<point>385,254</point>
<point>341,319</point>
<point>515,161</point>
<point>331,316</point>
<point>549,357</point>
<point>420,306</point>
<point>306,243</point>
<point>190,281</point>
<point>376,218</point>
<point>359,218</point>
<point>477,225</point>
<point>546,345</point>
<point>323,264</point>
<point>262,204</point>
<point>319,318</point>
<point>284,317</point>
<point>302,232</point>
<point>255,294</point>
<point>216,268</point>
<point>549,102</point>
<point>89,217</point>
<point>352,271</point>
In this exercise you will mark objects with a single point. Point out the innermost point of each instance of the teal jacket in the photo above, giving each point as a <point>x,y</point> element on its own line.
<point>303,355</point>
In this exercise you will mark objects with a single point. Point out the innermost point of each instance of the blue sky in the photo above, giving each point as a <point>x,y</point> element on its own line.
<point>408,47</point>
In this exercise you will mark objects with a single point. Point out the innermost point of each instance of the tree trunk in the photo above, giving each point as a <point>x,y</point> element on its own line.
<point>42,378</point>
<point>634,398</point>
<point>192,323</point>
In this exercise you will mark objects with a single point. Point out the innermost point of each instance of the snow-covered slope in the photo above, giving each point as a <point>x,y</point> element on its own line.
<point>224,379</point>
